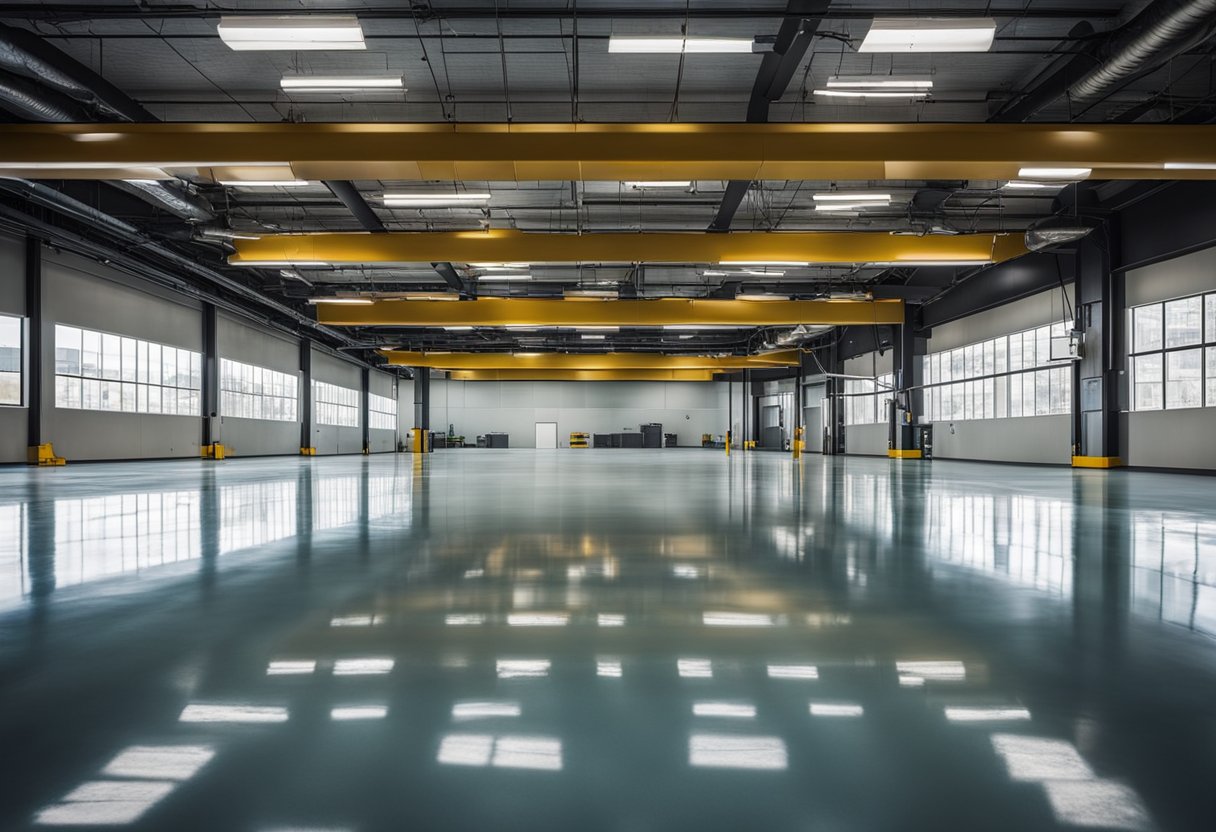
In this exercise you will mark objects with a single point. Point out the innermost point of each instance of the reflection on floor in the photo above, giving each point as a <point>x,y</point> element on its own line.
<point>619,640</point>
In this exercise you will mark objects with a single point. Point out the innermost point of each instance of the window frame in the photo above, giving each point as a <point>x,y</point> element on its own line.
<point>1163,351</point>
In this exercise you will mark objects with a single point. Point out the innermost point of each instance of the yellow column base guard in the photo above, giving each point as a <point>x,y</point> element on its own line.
<point>902,453</point>
<point>216,451</point>
<point>43,455</point>
<point>308,451</point>
<point>1097,462</point>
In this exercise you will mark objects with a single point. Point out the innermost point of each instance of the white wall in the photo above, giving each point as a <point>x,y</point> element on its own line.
<point>242,340</point>
<point>14,427</point>
<point>685,408</point>
<point>83,293</point>
<point>1171,438</point>
<point>332,439</point>
<point>1035,439</point>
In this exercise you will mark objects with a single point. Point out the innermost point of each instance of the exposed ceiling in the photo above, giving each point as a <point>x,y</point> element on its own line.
<point>548,61</point>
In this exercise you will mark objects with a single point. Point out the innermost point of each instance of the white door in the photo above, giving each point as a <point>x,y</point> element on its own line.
<point>546,435</point>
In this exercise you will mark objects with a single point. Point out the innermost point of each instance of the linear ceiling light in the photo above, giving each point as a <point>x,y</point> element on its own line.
<point>1026,185</point>
<point>341,83</point>
<point>1065,174</point>
<point>499,266</point>
<point>659,183</point>
<point>458,328</point>
<point>929,35</point>
<point>760,296</point>
<point>1190,165</point>
<point>793,263</point>
<point>653,45</point>
<point>842,196</point>
<point>901,263</point>
<point>850,206</point>
<point>291,32</point>
<point>500,276</point>
<point>267,264</point>
<point>876,86</point>
<point>265,183</point>
<point>344,301</point>
<point>409,200</point>
<point>587,337</point>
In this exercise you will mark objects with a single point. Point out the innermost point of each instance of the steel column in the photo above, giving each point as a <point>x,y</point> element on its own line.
<point>211,375</point>
<point>1097,376</point>
<point>306,439</point>
<point>365,403</point>
<point>34,339</point>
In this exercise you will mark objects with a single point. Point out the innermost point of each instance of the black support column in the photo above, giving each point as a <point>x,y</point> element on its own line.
<point>1096,377</point>
<point>365,382</point>
<point>908,397</point>
<point>34,343</point>
<point>211,381</point>
<point>422,410</point>
<point>306,446</point>
<point>833,440</point>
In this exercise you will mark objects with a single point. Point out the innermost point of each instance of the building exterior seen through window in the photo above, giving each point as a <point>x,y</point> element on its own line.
<point>1172,353</point>
<point>335,405</point>
<point>251,392</point>
<point>382,412</point>
<point>12,341</point>
<point>101,371</point>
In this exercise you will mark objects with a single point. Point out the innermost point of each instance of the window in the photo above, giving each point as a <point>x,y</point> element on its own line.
<point>11,342</point>
<point>335,405</point>
<point>100,371</point>
<point>1171,368</point>
<point>1011,376</point>
<point>383,412</point>
<point>251,392</point>
<point>865,400</point>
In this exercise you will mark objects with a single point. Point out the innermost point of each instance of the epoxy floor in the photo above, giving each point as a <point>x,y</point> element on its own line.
<point>605,640</point>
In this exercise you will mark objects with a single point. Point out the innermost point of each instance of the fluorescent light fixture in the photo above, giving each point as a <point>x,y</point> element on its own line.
<point>792,263</point>
<point>341,83</point>
<point>94,137</point>
<point>527,354</point>
<point>588,337</point>
<point>736,619</point>
<point>292,32</point>
<point>610,619</point>
<point>878,82</point>
<point>498,266</point>
<point>843,196</point>
<point>504,276</point>
<point>583,294</point>
<point>980,713</point>
<point>659,183</point>
<point>1026,185</point>
<point>159,762</point>
<point>618,44</point>
<point>433,200</point>
<point>736,751</point>
<point>600,328</point>
<point>1177,165</point>
<point>793,671</point>
<point>731,710</point>
<point>265,183</point>
<point>283,264</point>
<point>929,35</point>
<point>686,337</point>
<point>363,667</point>
<point>842,709</point>
<point>232,713</point>
<point>695,668</point>
<point>537,619</point>
<point>873,93</point>
<point>898,263</point>
<point>458,329</point>
<point>349,713</point>
<point>466,711</point>
<point>610,668</point>
<point>521,668</point>
<point>342,301</point>
<point>849,206</point>
<point>760,296</point>
<point>291,668</point>
<point>698,327</point>
<point>430,296</point>
<point>1065,174</point>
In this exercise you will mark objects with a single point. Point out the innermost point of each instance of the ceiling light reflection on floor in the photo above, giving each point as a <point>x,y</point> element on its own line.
<point>610,619</point>
<point>363,667</point>
<point>610,668</point>
<point>105,803</point>
<point>358,712</point>
<point>232,713</point>
<point>836,709</point>
<point>793,671</point>
<point>466,711</point>
<point>736,619</point>
<point>1040,758</point>
<point>695,668</point>
<point>522,668</point>
<point>464,620</point>
<point>935,671</point>
<point>983,713</point>
<point>734,751</point>
<point>159,762</point>
<point>519,619</point>
<point>730,710</point>
<point>291,668</point>
<point>353,621</point>
<point>508,751</point>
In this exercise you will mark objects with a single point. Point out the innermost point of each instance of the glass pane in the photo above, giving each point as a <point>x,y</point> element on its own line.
<point>1042,392</point>
<point>1147,382</point>
<point>1209,315</point>
<point>1211,376</point>
<point>141,366</point>
<point>128,359</point>
<point>1001,345</point>
<point>111,357</point>
<point>128,397</point>
<point>1146,328</point>
<point>1183,378</point>
<point>1183,322</point>
<point>154,364</point>
<point>168,365</point>
<point>1042,345</point>
<point>67,350</point>
<point>196,370</point>
<point>90,395</point>
<point>90,353</point>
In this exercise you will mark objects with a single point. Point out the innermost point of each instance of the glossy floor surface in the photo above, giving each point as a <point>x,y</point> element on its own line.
<point>606,640</point>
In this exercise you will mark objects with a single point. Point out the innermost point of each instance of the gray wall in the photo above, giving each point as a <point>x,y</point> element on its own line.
<point>1171,438</point>
<point>1037,439</point>
<point>13,420</point>
<point>685,408</point>
<point>382,384</point>
<point>245,341</point>
<point>332,439</point>
<point>80,292</point>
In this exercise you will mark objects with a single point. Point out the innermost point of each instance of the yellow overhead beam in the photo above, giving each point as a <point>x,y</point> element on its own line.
<point>505,246</point>
<point>662,312</point>
<point>588,361</point>
<point>582,375</point>
<point>521,152</point>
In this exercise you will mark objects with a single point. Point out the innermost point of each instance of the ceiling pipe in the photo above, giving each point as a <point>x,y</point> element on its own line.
<point>65,91</point>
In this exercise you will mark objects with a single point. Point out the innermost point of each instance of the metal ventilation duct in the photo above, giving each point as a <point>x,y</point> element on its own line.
<point>32,101</point>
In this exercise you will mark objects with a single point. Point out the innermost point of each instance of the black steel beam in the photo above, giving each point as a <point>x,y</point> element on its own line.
<point>356,204</point>
<point>1172,221</point>
<point>998,285</point>
<point>66,12</point>
<point>451,277</point>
